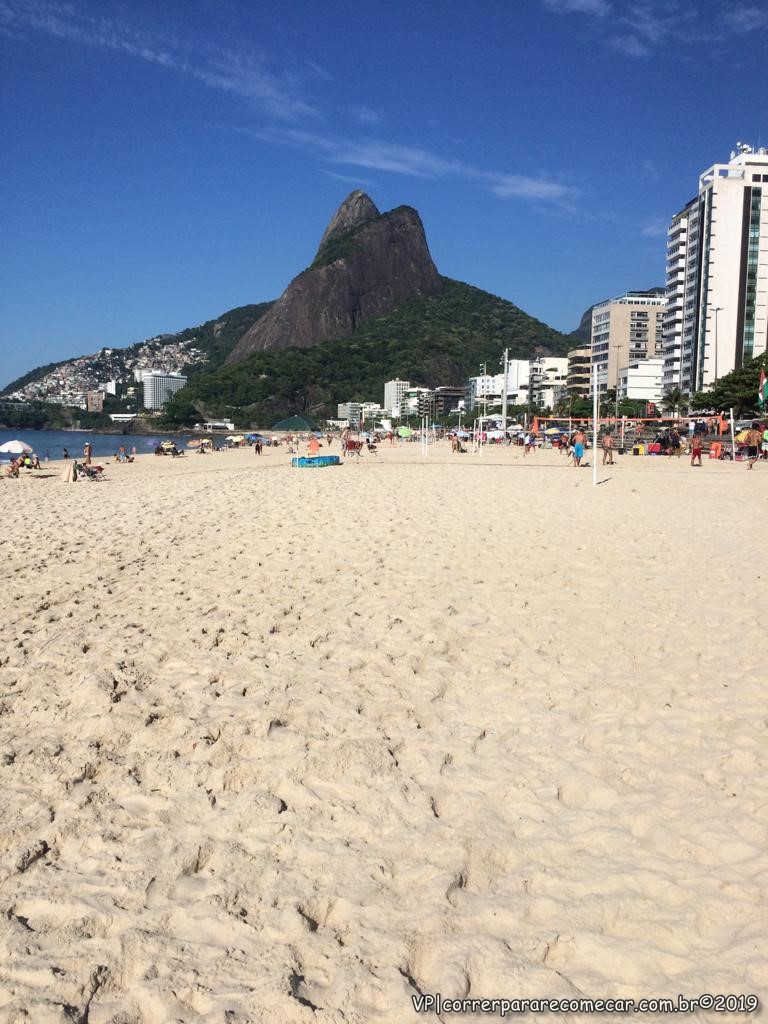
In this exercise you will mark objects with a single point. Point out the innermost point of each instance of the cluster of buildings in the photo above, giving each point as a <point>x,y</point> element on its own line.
<point>85,383</point>
<point>709,319</point>
<point>712,315</point>
<point>540,383</point>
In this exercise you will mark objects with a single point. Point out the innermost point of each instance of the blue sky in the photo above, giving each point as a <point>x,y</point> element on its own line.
<point>164,163</point>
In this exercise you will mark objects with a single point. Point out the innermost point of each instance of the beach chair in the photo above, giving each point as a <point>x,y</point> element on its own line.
<point>90,472</point>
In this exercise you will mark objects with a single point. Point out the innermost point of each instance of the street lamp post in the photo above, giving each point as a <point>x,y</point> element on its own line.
<point>504,394</point>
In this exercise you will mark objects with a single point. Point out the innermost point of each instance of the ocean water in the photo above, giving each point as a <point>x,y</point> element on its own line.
<point>104,445</point>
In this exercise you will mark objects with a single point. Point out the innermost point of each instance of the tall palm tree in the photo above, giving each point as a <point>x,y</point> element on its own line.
<point>673,399</point>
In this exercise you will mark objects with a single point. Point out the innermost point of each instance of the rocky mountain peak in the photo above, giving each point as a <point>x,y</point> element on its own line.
<point>367,264</point>
<point>356,209</point>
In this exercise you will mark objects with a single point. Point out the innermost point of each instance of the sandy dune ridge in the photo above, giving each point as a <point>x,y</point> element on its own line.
<point>291,746</point>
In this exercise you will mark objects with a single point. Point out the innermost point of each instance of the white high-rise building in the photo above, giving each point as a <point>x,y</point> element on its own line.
<point>489,387</point>
<point>716,315</point>
<point>159,386</point>
<point>394,391</point>
<point>548,378</point>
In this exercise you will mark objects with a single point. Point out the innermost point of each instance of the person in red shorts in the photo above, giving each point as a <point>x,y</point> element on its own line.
<point>697,443</point>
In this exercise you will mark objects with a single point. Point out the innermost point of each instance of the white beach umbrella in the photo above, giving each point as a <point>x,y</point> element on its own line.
<point>15,448</point>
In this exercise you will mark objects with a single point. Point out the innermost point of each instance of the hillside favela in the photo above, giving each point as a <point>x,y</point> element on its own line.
<point>387,646</point>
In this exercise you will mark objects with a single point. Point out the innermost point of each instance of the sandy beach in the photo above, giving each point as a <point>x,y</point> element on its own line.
<point>289,746</point>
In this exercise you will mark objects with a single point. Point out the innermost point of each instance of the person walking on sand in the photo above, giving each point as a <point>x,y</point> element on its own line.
<point>87,453</point>
<point>579,442</point>
<point>65,453</point>
<point>697,443</point>
<point>313,447</point>
<point>607,444</point>
<point>753,440</point>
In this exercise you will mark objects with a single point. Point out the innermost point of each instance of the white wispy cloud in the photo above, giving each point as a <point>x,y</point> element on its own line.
<point>743,18</point>
<point>347,178</point>
<point>640,28</point>
<point>630,45</point>
<point>651,170</point>
<point>601,8</point>
<point>241,74</point>
<point>654,227</point>
<point>414,161</point>
<point>236,73</point>
<point>365,115</point>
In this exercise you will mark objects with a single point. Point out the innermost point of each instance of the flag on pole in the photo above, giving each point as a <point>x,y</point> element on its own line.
<point>762,390</point>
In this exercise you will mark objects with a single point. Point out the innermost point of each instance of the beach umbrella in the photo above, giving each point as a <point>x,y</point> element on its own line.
<point>741,437</point>
<point>554,430</point>
<point>404,431</point>
<point>168,444</point>
<point>15,448</point>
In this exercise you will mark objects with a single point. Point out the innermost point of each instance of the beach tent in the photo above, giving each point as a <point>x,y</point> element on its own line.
<point>293,423</point>
<point>15,448</point>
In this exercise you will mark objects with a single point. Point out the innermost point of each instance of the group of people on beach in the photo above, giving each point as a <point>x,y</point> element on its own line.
<point>27,461</point>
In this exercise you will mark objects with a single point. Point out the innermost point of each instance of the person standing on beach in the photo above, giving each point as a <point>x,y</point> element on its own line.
<point>579,442</point>
<point>753,440</point>
<point>87,452</point>
<point>607,444</point>
<point>697,443</point>
<point>65,453</point>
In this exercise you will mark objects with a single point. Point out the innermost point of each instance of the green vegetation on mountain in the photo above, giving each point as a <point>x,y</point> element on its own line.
<point>44,416</point>
<point>31,377</point>
<point>436,340</point>
<point>216,338</point>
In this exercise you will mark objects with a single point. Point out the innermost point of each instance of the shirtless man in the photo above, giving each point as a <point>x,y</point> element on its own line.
<point>579,444</point>
<point>607,443</point>
<point>753,440</point>
<point>697,443</point>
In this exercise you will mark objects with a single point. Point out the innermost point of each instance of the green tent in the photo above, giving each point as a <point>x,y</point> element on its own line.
<point>293,423</point>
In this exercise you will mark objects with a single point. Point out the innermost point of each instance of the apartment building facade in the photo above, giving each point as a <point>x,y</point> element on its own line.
<point>394,392</point>
<point>625,330</point>
<point>579,381</point>
<point>160,386</point>
<point>716,315</point>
